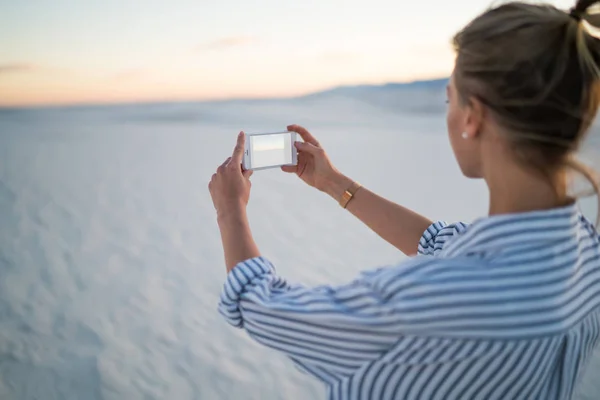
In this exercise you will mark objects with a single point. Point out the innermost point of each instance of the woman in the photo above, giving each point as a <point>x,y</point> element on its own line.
<point>505,308</point>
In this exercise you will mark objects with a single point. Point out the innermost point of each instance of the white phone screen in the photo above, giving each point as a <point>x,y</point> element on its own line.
<point>270,150</point>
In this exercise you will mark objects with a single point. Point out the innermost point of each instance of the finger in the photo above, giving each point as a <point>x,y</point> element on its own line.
<point>226,162</point>
<point>248,173</point>
<point>309,148</point>
<point>290,169</point>
<point>238,151</point>
<point>304,134</point>
<point>301,165</point>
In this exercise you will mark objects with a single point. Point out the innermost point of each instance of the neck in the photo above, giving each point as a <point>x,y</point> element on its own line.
<point>515,189</point>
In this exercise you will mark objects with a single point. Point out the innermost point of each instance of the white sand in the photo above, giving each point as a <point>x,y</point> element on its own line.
<point>110,257</point>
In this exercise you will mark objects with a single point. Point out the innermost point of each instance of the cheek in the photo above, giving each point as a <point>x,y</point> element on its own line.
<point>453,120</point>
<point>454,125</point>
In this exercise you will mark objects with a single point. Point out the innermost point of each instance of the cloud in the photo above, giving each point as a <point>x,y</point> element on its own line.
<point>16,68</point>
<point>227,43</point>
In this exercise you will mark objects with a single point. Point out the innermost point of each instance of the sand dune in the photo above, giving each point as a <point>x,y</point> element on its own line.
<point>110,256</point>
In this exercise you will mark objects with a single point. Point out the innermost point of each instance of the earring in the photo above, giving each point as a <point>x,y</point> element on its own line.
<point>465,135</point>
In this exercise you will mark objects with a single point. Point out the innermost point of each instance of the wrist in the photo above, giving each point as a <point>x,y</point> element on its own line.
<point>337,186</point>
<point>232,214</point>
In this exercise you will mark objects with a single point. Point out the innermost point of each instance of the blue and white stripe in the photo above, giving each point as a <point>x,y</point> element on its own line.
<point>505,308</point>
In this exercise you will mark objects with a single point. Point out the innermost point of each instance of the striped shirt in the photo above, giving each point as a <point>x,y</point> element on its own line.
<point>505,308</point>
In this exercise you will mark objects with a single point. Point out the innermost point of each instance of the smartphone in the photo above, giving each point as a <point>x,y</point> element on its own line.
<point>269,150</point>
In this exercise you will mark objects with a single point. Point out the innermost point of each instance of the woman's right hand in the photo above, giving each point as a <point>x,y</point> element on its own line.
<point>314,166</point>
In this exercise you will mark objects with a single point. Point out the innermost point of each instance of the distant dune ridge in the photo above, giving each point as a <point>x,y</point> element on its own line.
<point>431,85</point>
<point>388,94</point>
<point>425,96</point>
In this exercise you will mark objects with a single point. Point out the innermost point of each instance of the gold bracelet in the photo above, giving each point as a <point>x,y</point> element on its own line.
<point>349,194</point>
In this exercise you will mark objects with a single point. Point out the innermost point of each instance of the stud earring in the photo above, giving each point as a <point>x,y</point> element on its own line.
<point>465,135</point>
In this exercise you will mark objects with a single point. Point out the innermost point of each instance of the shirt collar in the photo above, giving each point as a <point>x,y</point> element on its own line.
<point>494,233</point>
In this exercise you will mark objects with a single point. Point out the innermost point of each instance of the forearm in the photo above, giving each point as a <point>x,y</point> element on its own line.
<point>397,225</point>
<point>238,243</point>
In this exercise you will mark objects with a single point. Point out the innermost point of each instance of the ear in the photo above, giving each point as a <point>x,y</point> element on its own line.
<point>474,117</point>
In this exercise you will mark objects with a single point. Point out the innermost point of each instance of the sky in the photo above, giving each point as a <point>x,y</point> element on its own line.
<point>79,52</point>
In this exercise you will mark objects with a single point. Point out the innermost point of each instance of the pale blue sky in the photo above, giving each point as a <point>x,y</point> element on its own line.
<point>83,51</point>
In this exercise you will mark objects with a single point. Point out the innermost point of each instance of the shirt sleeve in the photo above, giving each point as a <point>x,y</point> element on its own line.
<point>437,235</point>
<point>327,331</point>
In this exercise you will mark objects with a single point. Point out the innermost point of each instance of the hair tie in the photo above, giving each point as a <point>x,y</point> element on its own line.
<point>575,14</point>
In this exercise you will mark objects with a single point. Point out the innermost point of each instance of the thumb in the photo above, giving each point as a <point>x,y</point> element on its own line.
<point>289,168</point>
<point>309,148</point>
<point>238,151</point>
<point>248,173</point>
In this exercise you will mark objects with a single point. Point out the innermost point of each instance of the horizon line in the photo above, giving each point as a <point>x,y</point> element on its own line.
<point>208,100</point>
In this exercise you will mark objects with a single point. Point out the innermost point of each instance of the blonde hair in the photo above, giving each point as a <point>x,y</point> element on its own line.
<point>536,69</point>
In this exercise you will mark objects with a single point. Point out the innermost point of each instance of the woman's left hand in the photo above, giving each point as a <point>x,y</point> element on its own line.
<point>230,186</point>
